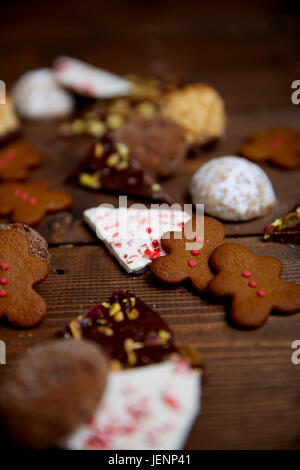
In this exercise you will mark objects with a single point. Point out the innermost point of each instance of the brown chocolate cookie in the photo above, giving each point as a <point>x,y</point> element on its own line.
<point>253,283</point>
<point>24,262</point>
<point>29,202</point>
<point>51,390</point>
<point>157,143</point>
<point>16,160</point>
<point>183,263</point>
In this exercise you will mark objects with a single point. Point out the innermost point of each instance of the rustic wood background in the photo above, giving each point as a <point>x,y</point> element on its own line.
<point>251,53</point>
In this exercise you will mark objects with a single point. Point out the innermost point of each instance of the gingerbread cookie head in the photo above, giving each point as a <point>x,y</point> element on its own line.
<point>189,252</point>
<point>24,262</point>
<point>279,146</point>
<point>29,203</point>
<point>16,160</point>
<point>253,283</point>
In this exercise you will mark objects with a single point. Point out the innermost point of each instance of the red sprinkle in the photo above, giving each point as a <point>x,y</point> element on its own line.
<point>253,283</point>
<point>276,141</point>
<point>155,243</point>
<point>149,230</point>
<point>24,196</point>
<point>3,293</point>
<point>32,201</point>
<point>195,252</point>
<point>17,192</point>
<point>192,263</point>
<point>4,266</point>
<point>3,281</point>
<point>261,293</point>
<point>246,273</point>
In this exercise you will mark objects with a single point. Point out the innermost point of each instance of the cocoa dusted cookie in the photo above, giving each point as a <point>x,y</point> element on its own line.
<point>110,165</point>
<point>131,332</point>
<point>16,161</point>
<point>156,142</point>
<point>253,283</point>
<point>30,202</point>
<point>199,110</point>
<point>279,146</point>
<point>50,391</point>
<point>24,262</point>
<point>189,262</point>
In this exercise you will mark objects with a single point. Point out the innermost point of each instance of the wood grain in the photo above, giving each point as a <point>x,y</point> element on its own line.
<point>251,54</point>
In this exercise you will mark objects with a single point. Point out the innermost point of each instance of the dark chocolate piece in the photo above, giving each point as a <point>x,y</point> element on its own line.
<point>131,333</point>
<point>109,165</point>
<point>285,229</point>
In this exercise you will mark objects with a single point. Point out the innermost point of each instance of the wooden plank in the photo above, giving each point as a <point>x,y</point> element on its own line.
<point>251,389</point>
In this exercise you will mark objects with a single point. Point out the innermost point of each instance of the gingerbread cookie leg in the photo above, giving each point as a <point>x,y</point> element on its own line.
<point>253,283</point>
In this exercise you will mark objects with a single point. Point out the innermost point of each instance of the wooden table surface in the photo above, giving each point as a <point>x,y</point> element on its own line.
<point>252,54</point>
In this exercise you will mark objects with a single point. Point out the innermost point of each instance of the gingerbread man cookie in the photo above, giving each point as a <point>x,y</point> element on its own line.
<point>16,160</point>
<point>279,146</point>
<point>183,263</point>
<point>24,261</point>
<point>254,284</point>
<point>28,203</point>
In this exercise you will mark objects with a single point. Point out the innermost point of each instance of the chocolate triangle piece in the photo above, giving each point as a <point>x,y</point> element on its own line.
<point>110,166</point>
<point>131,333</point>
<point>285,229</point>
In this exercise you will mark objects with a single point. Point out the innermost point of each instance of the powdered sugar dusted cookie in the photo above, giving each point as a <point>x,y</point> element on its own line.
<point>88,80</point>
<point>232,188</point>
<point>38,95</point>
<point>149,407</point>
<point>133,235</point>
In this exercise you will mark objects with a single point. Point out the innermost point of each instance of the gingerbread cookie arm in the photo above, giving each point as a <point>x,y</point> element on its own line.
<point>59,201</point>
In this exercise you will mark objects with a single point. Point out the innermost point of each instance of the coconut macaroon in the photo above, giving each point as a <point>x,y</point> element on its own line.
<point>199,109</point>
<point>9,122</point>
<point>232,188</point>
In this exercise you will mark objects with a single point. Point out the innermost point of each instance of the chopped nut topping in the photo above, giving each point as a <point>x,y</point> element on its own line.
<point>130,345</point>
<point>106,330</point>
<point>132,359</point>
<point>106,304</point>
<point>114,308</point>
<point>116,365</point>
<point>132,301</point>
<point>119,316</point>
<point>90,181</point>
<point>115,121</point>
<point>78,126</point>
<point>102,321</point>
<point>133,314</point>
<point>122,149</point>
<point>164,334</point>
<point>75,329</point>
<point>95,128</point>
<point>99,149</point>
<point>156,187</point>
<point>113,160</point>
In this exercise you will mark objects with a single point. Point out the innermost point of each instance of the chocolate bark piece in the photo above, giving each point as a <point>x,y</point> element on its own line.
<point>131,333</point>
<point>285,229</point>
<point>109,165</point>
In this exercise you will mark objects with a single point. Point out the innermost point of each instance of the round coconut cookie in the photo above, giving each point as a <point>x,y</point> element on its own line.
<point>199,110</point>
<point>232,188</point>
